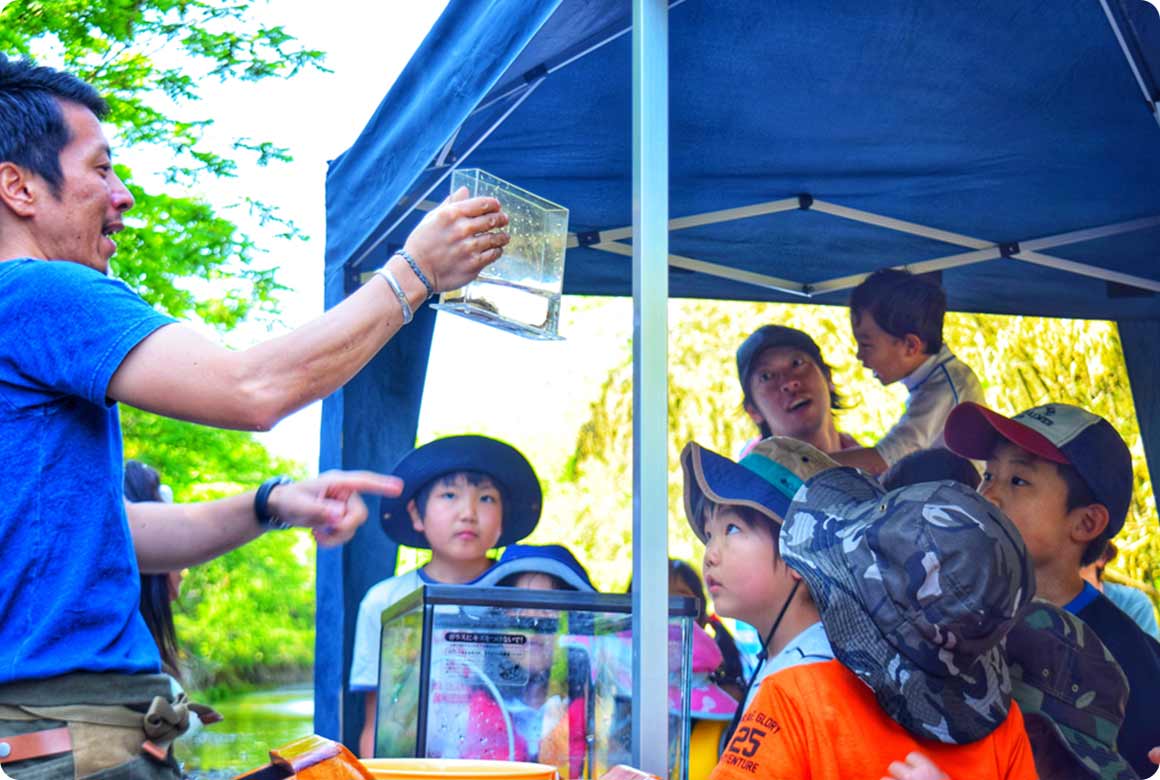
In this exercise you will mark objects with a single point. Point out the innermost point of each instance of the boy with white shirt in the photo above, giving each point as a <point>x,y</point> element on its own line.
<point>897,319</point>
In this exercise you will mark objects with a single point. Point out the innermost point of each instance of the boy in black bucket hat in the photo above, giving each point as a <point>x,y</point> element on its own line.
<point>462,497</point>
<point>915,589</point>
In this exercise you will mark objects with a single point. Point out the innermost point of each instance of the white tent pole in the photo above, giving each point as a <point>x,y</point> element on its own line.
<point>1151,102</point>
<point>650,468</point>
<point>921,267</point>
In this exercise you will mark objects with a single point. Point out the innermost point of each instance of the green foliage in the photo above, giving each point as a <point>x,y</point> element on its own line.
<point>149,58</point>
<point>1021,361</point>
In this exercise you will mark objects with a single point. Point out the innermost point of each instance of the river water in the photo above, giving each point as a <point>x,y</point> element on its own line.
<point>254,723</point>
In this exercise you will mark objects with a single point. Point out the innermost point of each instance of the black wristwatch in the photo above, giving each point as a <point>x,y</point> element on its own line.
<point>268,521</point>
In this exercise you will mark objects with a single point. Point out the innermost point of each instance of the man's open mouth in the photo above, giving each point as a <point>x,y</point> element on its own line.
<point>798,404</point>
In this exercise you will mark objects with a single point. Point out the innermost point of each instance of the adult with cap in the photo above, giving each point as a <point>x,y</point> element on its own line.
<point>74,343</point>
<point>1064,477</point>
<point>789,389</point>
<point>462,497</point>
<point>915,589</point>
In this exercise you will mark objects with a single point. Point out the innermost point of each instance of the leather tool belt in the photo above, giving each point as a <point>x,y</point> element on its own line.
<point>92,726</point>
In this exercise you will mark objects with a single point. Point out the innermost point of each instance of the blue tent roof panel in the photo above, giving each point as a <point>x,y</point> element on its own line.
<point>995,122</point>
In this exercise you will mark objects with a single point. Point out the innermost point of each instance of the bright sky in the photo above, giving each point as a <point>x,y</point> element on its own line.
<point>479,379</point>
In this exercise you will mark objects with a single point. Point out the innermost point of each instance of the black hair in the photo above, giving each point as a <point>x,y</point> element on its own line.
<point>474,478</point>
<point>902,303</point>
<point>32,125</point>
<point>143,483</point>
<point>511,580</point>
<point>1079,494</point>
<point>933,465</point>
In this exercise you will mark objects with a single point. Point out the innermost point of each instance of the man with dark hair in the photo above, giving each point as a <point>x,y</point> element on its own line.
<point>74,343</point>
<point>1064,477</point>
<point>897,319</point>
<point>788,388</point>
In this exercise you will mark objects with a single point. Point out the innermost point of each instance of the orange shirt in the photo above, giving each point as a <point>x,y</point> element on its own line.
<point>820,722</point>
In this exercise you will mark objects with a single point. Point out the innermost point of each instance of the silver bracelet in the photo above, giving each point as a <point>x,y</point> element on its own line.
<point>408,315</point>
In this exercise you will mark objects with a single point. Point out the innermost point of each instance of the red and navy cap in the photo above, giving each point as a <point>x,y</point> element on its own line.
<point>1060,433</point>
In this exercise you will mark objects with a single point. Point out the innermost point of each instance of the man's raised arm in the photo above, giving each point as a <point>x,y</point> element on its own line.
<point>178,373</point>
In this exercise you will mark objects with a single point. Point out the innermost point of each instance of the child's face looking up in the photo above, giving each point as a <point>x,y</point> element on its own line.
<point>461,521</point>
<point>1030,491</point>
<point>743,573</point>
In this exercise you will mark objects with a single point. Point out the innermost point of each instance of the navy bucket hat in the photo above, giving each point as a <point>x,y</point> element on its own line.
<point>498,460</point>
<point>916,589</point>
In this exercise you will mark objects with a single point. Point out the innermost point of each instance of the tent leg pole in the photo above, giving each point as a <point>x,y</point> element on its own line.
<point>650,291</point>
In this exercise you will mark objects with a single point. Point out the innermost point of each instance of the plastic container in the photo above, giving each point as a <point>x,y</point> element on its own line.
<point>520,292</point>
<point>456,769</point>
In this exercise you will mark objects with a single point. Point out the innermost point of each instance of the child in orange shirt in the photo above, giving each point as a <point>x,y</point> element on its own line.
<point>915,590</point>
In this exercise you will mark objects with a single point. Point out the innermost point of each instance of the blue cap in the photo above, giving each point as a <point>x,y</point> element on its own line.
<point>765,480</point>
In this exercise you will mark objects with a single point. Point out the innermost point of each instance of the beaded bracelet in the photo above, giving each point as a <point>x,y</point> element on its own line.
<point>403,253</point>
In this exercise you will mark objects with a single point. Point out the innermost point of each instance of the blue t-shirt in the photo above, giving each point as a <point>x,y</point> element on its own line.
<point>69,586</point>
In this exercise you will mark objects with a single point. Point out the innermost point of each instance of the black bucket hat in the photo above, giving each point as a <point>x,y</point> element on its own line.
<point>498,460</point>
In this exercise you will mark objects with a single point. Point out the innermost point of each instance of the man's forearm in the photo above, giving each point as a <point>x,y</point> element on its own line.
<point>170,537</point>
<point>292,371</point>
<point>175,372</point>
<point>865,458</point>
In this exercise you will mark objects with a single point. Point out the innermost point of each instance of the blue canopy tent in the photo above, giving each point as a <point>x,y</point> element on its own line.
<point>1011,147</point>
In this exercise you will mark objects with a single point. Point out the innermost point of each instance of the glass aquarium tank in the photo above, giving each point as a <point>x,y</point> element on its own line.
<point>522,675</point>
<point>520,292</point>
